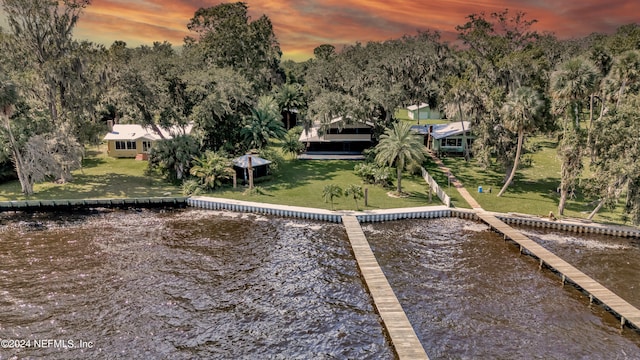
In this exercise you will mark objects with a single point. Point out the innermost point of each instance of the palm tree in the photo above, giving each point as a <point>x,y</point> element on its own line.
<point>290,97</point>
<point>571,84</point>
<point>263,124</point>
<point>292,145</point>
<point>400,146</point>
<point>331,191</point>
<point>355,192</point>
<point>212,168</point>
<point>624,72</point>
<point>520,112</point>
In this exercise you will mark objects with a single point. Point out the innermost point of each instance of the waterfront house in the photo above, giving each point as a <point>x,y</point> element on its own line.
<point>339,136</point>
<point>135,141</point>
<point>446,138</point>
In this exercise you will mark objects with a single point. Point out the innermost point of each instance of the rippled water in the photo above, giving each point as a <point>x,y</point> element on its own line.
<point>470,295</point>
<point>614,261</point>
<point>183,285</point>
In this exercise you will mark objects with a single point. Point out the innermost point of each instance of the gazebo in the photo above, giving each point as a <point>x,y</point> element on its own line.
<point>241,166</point>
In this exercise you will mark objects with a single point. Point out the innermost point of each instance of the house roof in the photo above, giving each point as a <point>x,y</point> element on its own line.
<point>313,134</point>
<point>440,131</point>
<point>415,107</point>
<point>135,132</point>
<point>243,161</point>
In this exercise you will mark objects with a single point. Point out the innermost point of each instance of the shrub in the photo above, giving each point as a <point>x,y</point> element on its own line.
<point>366,172</point>
<point>274,156</point>
<point>291,145</point>
<point>369,155</point>
<point>191,187</point>
<point>373,174</point>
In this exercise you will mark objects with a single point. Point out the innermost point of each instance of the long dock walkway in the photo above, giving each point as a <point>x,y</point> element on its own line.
<point>628,313</point>
<point>403,337</point>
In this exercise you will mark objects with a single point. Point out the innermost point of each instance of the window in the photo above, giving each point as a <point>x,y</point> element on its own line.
<point>125,145</point>
<point>146,145</point>
<point>452,142</point>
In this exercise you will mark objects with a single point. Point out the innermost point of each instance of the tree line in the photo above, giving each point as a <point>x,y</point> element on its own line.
<point>228,80</point>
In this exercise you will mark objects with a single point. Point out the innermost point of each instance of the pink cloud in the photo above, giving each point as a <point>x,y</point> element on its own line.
<point>301,25</point>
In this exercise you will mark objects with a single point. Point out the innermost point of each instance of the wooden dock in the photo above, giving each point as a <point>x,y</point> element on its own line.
<point>628,314</point>
<point>403,338</point>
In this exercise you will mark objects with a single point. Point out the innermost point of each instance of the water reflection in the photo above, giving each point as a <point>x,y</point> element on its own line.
<point>182,285</point>
<point>471,295</point>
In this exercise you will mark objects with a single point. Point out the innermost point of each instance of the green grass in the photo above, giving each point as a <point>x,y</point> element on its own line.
<point>300,183</point>
<point>533,190</point>
<point>100,177</point>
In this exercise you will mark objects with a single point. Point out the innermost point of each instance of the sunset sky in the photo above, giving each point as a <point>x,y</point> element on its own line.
<point>301,25</point>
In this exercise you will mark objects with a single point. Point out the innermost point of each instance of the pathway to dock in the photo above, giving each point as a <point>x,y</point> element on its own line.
<point>627,313</point>
<point>403,337</point>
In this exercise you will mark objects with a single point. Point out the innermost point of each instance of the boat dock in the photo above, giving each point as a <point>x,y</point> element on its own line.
<point>403,338</point>
<point>627,313</point>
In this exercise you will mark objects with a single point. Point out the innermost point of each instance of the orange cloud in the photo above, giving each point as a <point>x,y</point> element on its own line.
<point>301,25</point>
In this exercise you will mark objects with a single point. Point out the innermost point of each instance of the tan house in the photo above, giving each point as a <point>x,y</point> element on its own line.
<point>135,141</point>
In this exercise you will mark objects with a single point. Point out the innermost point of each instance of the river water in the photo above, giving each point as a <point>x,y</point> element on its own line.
<point>612,261</point>
<point>184,285</point>
<point>471,295</point>
<point>192,283</point>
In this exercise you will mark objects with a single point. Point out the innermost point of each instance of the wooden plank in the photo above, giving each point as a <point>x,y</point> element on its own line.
<point>607,297</point>
<point>403,337</point>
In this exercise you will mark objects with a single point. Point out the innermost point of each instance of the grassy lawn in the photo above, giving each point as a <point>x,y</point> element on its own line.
<point>533,190</point>
<point>300,183</point>
<point>100,177</point>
